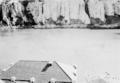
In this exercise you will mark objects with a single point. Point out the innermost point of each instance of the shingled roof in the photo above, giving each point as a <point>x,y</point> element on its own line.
<point>24,70</point>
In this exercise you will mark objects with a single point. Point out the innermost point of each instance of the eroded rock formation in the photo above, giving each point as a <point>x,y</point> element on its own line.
<point>37,12</point>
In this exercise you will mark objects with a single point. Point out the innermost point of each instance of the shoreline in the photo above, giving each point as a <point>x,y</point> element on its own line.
<point>74,26</point>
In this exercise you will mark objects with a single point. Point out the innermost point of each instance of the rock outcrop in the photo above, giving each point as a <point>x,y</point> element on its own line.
<point>42,12</point>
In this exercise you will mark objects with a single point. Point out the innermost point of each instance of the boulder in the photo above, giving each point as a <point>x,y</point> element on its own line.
<point>5,11</point>
<point>96,10</point>
<point>83,16</point>
<point>35,9</point>
<point>117,7</point>
<point>51,9</point>
<point>74,9</point>
<point>65,10</point>
<point>109,7</point>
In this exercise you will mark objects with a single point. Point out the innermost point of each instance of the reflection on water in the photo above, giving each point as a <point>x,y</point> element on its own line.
<point>4,33</point>
<point>12,32</point>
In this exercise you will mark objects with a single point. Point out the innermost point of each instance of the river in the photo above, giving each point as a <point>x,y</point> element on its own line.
<point>93,51</point>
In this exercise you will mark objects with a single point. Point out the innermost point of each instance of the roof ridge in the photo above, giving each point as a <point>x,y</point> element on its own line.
<point>63,70</point>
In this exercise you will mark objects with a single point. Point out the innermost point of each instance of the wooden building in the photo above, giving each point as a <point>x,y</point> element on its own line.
<point>39,72</point>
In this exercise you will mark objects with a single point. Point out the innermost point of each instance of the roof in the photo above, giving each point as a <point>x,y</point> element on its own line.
<point>24,70</point>
<point>70,70</point>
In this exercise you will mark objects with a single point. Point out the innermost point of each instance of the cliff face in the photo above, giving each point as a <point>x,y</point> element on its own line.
<point>60,11</point>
